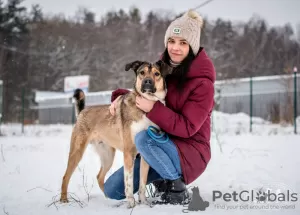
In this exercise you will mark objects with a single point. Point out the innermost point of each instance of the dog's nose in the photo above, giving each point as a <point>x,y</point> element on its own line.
<point>148,83</point>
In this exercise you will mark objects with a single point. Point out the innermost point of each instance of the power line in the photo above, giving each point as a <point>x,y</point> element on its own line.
<point>203,4</point>
<point>197,7</point>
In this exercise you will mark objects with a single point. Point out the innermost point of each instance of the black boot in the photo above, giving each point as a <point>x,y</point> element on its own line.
<point>160,187</point>
<point>176,192</point>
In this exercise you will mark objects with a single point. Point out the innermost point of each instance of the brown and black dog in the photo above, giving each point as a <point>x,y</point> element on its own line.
<point>109,132</point>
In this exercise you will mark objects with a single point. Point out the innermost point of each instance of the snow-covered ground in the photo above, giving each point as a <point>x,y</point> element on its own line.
<point>32,165</point>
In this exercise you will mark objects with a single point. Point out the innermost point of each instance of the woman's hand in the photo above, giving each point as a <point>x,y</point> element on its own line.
<point>112,107</point>
<point>144,104</point>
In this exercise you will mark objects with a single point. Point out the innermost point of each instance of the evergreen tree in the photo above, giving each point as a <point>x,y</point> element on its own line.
<point>36,13</point>
<point>13,63</point>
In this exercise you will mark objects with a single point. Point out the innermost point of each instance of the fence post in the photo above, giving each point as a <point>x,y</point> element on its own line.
<point>251,103</point>
<point>23,109</point>
<point>295,100</point>
<point>73,110</point>
<point>1,104</point>
<point>212,121</point>
<point>73,113</point>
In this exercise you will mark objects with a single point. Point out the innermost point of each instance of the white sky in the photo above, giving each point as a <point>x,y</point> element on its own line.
<point>276,12</point>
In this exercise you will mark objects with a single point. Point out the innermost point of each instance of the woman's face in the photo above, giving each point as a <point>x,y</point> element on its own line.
<point>178,49</point>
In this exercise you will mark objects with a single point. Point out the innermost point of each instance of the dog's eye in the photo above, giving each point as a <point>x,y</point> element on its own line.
<point>156,74</point>
<point>142,72</point>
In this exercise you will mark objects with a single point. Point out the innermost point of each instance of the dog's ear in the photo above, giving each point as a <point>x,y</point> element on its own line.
<point>133,65</point>
<point>164,68</point>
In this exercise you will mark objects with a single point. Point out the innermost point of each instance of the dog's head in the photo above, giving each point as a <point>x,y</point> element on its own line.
<point>150,78</point>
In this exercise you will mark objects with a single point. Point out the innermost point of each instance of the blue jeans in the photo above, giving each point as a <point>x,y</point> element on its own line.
<point>162,158</point>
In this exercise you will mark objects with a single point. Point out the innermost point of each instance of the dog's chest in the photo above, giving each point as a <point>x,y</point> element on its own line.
<point>141,125</point>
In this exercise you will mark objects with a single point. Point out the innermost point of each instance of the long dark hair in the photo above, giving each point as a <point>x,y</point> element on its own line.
<point>181,70</point>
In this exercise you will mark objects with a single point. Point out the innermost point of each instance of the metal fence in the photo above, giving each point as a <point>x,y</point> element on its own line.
<point>60,109</point>
<point>272,98</point>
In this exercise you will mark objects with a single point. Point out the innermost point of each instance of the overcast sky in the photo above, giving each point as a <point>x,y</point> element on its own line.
<point>276,12</point>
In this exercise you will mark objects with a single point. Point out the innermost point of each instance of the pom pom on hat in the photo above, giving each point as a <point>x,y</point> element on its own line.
<point>194,15</point>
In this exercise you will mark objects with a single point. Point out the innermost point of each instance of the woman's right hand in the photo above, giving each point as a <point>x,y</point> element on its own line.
<point>114,97</point>
<point>112,107</point>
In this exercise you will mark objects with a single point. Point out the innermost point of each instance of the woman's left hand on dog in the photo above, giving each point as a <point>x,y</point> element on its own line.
<point>144,104</point>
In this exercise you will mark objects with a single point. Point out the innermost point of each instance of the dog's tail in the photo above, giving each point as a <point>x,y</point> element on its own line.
<point>80,101</point>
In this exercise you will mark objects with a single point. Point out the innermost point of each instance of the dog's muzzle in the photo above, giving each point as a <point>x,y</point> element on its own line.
<point>148,86</point>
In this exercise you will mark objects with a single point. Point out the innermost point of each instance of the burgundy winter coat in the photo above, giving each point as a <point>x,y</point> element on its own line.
<point>186,116</point>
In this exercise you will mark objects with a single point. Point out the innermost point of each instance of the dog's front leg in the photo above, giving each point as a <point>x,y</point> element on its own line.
<point>144,169</point>
<point>128,178</point>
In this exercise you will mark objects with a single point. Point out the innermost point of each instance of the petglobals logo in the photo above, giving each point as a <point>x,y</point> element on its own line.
<point>255,196</point>
<point>261,199</point>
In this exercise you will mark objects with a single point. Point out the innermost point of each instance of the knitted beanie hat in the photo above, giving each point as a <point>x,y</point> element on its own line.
<point>188,26</point>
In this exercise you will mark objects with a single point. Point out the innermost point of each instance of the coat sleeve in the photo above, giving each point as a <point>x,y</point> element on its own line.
<point>194,112</point>
<point>118,92</point>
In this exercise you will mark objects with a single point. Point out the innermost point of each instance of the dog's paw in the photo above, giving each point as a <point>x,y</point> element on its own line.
<point>64,200</point>
<point>142,198</point>
<point>145,202</point>
<point>130,202</point>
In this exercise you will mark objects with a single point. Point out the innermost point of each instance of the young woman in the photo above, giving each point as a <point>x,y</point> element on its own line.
<point>185,118</point>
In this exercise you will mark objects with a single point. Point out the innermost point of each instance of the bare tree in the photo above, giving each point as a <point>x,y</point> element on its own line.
<point>57,47</point>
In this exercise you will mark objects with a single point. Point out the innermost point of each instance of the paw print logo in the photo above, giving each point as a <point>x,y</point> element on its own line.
<point>261,196</point>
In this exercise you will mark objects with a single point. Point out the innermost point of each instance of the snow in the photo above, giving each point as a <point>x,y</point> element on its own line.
<point>32,165</point>
<point>16,30</point>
